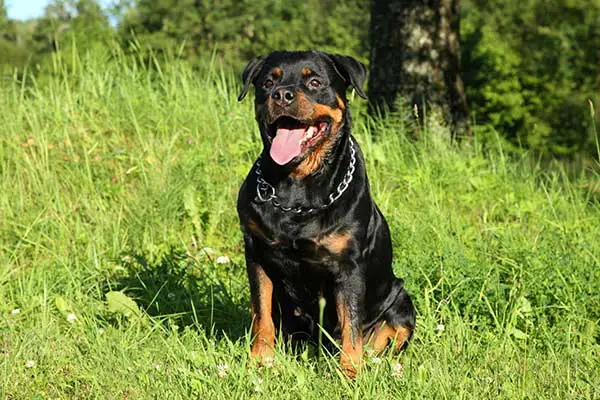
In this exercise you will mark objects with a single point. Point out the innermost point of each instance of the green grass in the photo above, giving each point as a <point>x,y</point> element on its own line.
<point>117,177</point>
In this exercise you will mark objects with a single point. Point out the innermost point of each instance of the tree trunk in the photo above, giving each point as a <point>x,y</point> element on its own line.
<point>415,54</point>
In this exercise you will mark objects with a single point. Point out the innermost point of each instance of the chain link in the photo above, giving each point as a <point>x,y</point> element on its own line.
<point>266,192</point>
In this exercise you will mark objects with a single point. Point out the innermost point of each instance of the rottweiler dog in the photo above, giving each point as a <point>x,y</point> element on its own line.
<point>313,234</point>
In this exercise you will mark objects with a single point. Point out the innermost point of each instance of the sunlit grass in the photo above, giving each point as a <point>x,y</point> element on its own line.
<point>120,177</point>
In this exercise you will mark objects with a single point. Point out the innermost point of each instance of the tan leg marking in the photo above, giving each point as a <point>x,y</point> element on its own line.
<point>263,328</point>
<point>352,348</point>
<point>386,334</point>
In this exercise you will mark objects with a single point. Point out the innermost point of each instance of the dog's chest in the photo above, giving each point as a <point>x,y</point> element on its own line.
<point>298,247</point>
<point>302,249</point>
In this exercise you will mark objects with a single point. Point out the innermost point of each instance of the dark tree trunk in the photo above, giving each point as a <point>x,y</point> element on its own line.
<point>415,53</point>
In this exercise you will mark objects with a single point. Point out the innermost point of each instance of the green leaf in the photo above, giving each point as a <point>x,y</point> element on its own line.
<point>518,334</point>
<point>62,305</point>
<point>524,306</point>
<point>120,303</point>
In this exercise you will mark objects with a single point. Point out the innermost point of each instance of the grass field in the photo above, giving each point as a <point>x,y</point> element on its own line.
<point>121,261</point>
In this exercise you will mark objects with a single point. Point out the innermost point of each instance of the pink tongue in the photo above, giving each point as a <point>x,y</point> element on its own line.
<point>286,145</point>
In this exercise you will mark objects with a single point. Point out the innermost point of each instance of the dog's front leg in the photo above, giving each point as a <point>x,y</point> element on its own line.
<point>350,294</point>
<point>261,294</point>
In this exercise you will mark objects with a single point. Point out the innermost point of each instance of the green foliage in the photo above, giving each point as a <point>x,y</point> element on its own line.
<point>67,27</point>
<point>11,54</point>
<point>120,177</point>
<point>70,26</point>
<point>3,14</point>
<point>237,30</point>
<point>530,68</point>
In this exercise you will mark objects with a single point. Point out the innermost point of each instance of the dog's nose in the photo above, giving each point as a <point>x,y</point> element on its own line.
<point>283,96</point>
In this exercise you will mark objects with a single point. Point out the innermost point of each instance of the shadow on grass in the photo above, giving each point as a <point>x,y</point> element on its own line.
<point>188,291</point>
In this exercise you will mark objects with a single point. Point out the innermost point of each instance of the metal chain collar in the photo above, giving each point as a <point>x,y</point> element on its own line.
<point>266,192</point>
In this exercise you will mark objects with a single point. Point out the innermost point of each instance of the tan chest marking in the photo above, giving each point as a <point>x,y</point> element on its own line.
<point>259,232</point>
<point>336,242</point>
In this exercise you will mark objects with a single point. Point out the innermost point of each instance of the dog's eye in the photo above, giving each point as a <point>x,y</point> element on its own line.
<point>314,83</point>
<point>267,84</point>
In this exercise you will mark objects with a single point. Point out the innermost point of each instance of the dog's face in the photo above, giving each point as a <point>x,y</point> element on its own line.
<point>300,100</point>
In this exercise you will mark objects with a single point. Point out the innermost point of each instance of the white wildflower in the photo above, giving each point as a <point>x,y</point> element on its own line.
<point>222,260</point>
<point>376,360</point>
<point>257,382</point>
<point>440,328</point>
<point>15,311</point>
<point>397,370</point>
<point>30,364</point>
<point>222,370</point>
<point>156,366</point>
<point>71,317</point>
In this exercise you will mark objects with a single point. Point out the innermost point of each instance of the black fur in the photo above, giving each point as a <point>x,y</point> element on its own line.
<point>287,245</point>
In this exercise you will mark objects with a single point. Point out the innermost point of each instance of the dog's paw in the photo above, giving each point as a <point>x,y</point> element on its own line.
<point>350,369</point>
<point>263,354</point>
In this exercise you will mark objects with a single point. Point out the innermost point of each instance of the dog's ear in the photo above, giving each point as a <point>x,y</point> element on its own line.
<point>249,75</point>
<point>351,70</point>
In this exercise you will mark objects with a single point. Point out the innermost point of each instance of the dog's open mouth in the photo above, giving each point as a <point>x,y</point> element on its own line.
<point>292,138</point>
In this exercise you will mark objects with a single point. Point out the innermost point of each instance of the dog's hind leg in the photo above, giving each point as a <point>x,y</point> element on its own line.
<point>385,334</point>
<point>396,325</point>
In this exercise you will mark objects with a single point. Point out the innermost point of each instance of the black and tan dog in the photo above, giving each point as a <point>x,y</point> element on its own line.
<point>311,229</point>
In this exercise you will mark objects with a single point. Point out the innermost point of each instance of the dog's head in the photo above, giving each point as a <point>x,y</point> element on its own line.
<point>300,100</point>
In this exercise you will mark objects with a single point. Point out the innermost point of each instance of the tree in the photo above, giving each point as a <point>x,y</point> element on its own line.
<point>3,13</point>
<point>237,30</point>
<point>415,54</point>
<point>13,53</point>
<point>71,22</point>
<point>530,67</point>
